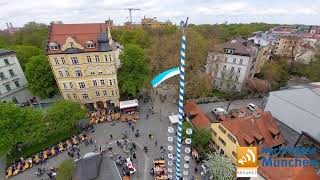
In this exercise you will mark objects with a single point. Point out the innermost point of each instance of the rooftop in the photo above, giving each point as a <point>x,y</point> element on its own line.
<point>6,52</point>
<point>239,46</point>
<point>257,128</point>
<point>197,117</point>
<point>297,107</point>
<point>81,33</point>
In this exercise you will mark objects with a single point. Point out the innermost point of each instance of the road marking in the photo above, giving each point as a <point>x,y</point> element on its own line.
<point>117,170</point>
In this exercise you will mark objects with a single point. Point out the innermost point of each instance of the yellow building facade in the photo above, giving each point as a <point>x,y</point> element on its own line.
<point>224,141</point>
<point>84,67</point>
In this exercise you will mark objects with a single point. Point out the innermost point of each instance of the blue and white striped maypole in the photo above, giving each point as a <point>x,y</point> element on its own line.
<point>181,96</point>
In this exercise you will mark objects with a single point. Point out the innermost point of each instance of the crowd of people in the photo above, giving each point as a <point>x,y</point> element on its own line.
<point>42,157</point>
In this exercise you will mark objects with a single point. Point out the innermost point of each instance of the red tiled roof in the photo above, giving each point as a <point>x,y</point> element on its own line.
<point>200,120</point>
<point>81,33</point>
<point>288,173</point>
<point>247,128</point>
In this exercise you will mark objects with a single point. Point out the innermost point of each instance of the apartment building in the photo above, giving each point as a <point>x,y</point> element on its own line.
<point>288,46</point>
<point>231,63</point>
<point>83,63</point>
<point>245,128</point>
<point>12,79</point>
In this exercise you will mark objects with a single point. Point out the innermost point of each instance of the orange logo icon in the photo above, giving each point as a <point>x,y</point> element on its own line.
<point>247,157</point>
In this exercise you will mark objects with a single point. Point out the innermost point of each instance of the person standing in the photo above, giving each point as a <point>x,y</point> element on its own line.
<point>132,128</point>
<point>134,155</point>
<point>156,143</point>
<point>111,137</point>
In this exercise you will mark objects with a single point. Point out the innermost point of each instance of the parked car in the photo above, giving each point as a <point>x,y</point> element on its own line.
<point>251,107</point>
<point>219,111</point>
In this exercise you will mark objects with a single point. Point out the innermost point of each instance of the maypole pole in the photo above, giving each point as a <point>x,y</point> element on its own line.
<point>183,26</point>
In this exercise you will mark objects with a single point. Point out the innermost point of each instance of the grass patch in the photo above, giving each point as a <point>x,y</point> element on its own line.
<point>216,93</point>
<point>65,170</point>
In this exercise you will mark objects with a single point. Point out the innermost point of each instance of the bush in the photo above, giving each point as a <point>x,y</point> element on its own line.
<point>66,170</point>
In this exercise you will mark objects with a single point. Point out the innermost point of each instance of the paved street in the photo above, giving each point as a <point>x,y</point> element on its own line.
<point>207,108</point>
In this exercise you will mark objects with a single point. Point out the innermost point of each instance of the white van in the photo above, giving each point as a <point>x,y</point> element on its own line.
<point>219,111</point>
<point>251,107</point>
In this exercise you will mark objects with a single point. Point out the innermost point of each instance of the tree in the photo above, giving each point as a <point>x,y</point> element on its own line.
<point>276,73</point>
<point>19,125</point>
<point>133,71</point>
<point>256,85</point>
<point>201,138</point>
<point>63,115</point>
<point>40,78</point>
<point>66,170</point>
<point>24,53</point>
<point>220,167</point>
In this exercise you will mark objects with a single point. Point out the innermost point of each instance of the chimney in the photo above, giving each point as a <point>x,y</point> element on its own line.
<point>242,112</point>
<point>257,113</point>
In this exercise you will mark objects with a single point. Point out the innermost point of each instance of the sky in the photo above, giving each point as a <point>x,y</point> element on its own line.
<point>20,12</point>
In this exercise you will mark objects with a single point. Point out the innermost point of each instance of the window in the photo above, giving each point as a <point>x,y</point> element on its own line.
<point>71,44</point>
<point>102,82</point>
<point>110,58</point>
<point>74,96</point>
<point>105,93</point>
<point>6,62</point>
<point>78,73</point>
<point>230,77</point>
<point>63,60</point>
<point>224,67</point>
<point>2,77</point>
<point>99,71</point>
<point>221,84</point>
<point>106,58</point>
<point>239,70</point>
<point>213,132</point>
<point>67,73</point>
<point>222,129</point>
<point>89,59</point>
<point>56,61</point>
<point>114,81</point>
<point>11,72</point>
<point>90,44</point>
<point>17,83</point>
<point>68,95</point>
<point>222,75</point>
<point>231,138</point>
<point>8,87</point>
<point>82,85</point>
<point>234,87</point>
<point>71,84</point>
<point>232,69</point>
<point>234,154</point>
<point>85,96</point>
<point>94,82</point>
<point>97,93</point>
<point>74,60</point>
<point>64,85</point>
<point>222,141</point>
<point>237,78</point>
<point>107,70</point>
<point>226,59</point>
<point>97,58</point>
<point>92,72</point>
<point>241,61</point>
<point>53,46</point>
<point>110,82</point>
<point>60,73</point>
<point>112,93</point>
<point>234,60</point>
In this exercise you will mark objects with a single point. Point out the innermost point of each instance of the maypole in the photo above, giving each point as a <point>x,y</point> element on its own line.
<point>183,26</point>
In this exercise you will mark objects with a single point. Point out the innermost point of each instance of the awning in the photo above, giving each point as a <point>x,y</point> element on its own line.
<point>173,119</point>
<point>129,103</point>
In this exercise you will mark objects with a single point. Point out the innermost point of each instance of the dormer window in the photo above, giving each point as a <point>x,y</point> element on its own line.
<point>53,46</point>
<point>90,44</point>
